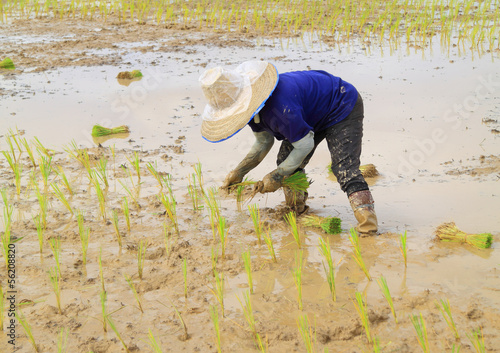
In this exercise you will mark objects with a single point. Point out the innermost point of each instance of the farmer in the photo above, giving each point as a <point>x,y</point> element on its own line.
<point>301,109</point>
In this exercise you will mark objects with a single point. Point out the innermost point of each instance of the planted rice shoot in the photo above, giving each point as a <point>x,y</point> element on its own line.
<point>247,262</point>
<point>117,229</point>
<point>361,308</point>
<point>222,231</point>
<point>444,307</point>
<point>477,340</point>
<point>65,181</point>
<point>184,275</point>
<point>450,232</point>
<point>403,248</point>
<point>100,195</point>
<point>153,169</point>
<point>329,268</point>
<point>387,295</point>
<point>126,212</point>
<point>44,204</point>
<point>27,328</point>
<point>29,150</point>
<point>306,332</point>
<point>55,280</point>
<point>199,177</point>
<point>330,225</point>
<point>42,150</point>
<point>134,292</point>
<point>171,208</point>
<point>268,239</point>
<point>101,277</point>
<point>60,195</point>
<point>99,131</point>
<point>291,220</point>
<point>62,340</point>
<point>141,256</point>
<point>218,289</point>
<point>55,246</point>
<point>115,330</point>
<point>153,343</point>
<point>104,313</point>
<point>101,171</point>
<point>257,224</point>
<point>45,165</point>
<point>214,314</point>
<point>84,233</point>
<point>354,238</point>
<point>131,194</point>
<point>297,277</point>
<point>420,331</point>
<point>194,192</point>
<point>248,312</point>
<point>135,162</point>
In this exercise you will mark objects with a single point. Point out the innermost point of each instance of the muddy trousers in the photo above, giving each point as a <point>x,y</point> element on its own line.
<point>344,143</point>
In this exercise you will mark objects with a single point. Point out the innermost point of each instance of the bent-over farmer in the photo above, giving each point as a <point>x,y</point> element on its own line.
<point>301,109</point>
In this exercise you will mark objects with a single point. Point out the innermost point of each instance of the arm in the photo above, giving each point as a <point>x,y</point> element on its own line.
<point>263,143</point>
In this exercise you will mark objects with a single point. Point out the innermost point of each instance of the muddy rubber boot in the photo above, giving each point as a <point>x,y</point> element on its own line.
<point>362,205</point>
<point>296,200</point>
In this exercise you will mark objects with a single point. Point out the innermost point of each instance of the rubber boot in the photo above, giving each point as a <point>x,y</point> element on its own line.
<point>362,205</point>
<point>296,200</point>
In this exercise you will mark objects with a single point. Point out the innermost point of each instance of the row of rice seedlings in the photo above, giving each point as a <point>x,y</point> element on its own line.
<point>268,239</point>
<point>141,256</point>
<point>214,314</point>
<point>134,292</point>
<point>60,195</point>
<point>387,295</point>
<point>27,329</point>
<point>354,238</point>
<point>420,331</point>
<point>291,220</point>
<point>361,308</point>
<point>55,280</point>
<point>84,233</point>
<point>247,263</point>
<point>257,224</point>
<point>297,277</point>
<point>307,334</point>
<point>326,251</point>
<point>117,229</point>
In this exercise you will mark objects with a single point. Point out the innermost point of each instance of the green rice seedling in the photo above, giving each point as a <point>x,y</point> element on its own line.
<point>477,340</point>
<point>62,340</point>
<point>306,332</point>
<point>115,226</point>
<point>361,308</point>
<point>214,257</point>
<point>329,268</point>
<point>135,162</point>
<point>27,328</point>
<point>450,232</point>
<point>115,330</point>
<point>403,248</point>
<point>214,314</point>
<point>154,172</point>
<point>101,171</point>
<point>455,348</point>
<point>60,195</point>
<point>183,324</point>
<point>104,313</point>
<point>171,208</point>
<point>446,312</point>
<point>45,168</point>
<point>387,295</point>
<point>297,277</point>
<point>141,256</point>
<point>126,212</point>
<point>247,262</point>
<point>421,331</point>
<point>132,196</point>
<point>84,237</point>
<point>184,275</point>
<point>44,204</point>
<point>100,195</point>
<point>153,343</point>
<point>55,280</point>
<point>29,150</point>
<point>99,131</point>
<point>270,246</point>
<point>330,225</point>
<point>193,192</point>
<point>291,220</point>
<point>65,181</point>
<point>101,276</point>
<point>55,246</point>
<point>218,289</point>
<point>134,291</point>
<point>199,177</point>
<point>354,238</point>
<point>248,312</point>
<point>257,224</point>
<point>2,307</point>
<point>212,201</point>
<point>7,64</point>
<point>222,231</point>
<point>297,182</point>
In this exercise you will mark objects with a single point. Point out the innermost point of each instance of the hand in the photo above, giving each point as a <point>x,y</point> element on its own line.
<point>234,177</point>
<point>270,183</point>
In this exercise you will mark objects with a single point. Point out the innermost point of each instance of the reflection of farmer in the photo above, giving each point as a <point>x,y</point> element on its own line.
<point>300,109</point>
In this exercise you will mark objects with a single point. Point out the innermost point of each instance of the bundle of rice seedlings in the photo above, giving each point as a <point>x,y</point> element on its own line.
<point>98,130</point>
<point>450,232</point>
<point>297,182</point>
<point>129,75</point>
<point>330,225</point>
<point>7,63</point>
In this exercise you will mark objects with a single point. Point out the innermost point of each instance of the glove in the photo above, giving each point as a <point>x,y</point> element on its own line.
<point>270,183</point>
<point>234,177</point>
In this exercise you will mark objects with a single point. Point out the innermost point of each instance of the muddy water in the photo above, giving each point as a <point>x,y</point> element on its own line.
<point>423,119</point>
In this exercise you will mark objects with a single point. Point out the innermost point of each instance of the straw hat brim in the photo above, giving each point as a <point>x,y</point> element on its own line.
<point>217,131</point>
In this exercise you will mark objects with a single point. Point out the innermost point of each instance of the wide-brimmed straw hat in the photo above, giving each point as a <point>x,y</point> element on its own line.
<point>234,97</point>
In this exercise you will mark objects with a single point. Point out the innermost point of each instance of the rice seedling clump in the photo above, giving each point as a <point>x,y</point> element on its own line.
<point>7,63</point>
<point>99,130</point>
<point>450,232</point>
<point>330,225</point>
